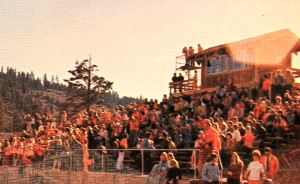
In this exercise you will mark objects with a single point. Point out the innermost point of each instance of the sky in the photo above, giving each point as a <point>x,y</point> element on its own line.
<point>135,42</point>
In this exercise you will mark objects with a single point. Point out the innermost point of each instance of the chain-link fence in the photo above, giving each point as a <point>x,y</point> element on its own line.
<point>91,166</point>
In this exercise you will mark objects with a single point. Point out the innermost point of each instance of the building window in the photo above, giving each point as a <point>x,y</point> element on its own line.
<point>218,65</point>
<point>228,63</point>
<point>240,61</point>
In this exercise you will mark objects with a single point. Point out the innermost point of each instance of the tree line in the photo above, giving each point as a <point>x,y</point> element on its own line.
<point>22,93</point>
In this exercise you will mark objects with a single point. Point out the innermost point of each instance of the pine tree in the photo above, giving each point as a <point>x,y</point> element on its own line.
<point>52,79</point>
<point>57,80</point>
<point>17,123</point>
<point>88,87</point>
<point>37,84</point>
<point>46,82</point>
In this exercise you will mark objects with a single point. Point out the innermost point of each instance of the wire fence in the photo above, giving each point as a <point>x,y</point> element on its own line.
<point>109,166</point>
<point>90,166</point>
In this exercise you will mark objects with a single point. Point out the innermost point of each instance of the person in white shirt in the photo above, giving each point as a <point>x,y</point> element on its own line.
<point>255,171</point>
<point>236,136</point>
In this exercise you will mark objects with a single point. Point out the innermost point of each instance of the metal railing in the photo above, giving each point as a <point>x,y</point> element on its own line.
<point>134,161</point>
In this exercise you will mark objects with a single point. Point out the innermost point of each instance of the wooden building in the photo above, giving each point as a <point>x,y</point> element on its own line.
<point>242,61</point>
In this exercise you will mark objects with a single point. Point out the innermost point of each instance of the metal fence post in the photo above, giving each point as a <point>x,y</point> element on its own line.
<point>102,162</point>
<point>195,168</point>
<point>71,161</point>
<point>143,164</point>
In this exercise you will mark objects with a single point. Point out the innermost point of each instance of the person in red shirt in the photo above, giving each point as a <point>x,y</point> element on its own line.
<point>270,163</point>
<point>133,127</point>
<point>265,116</point>
<point>85,156</point>
<point>258,110</point>
<point>123,144</point>
<point>200,49</point>
<point>7,152</point>
<point>266,85</point>
<point>38,150</point>
<point>212,137</point>
<point>79,121</point>
<point>50,131</point>
<point>82,136</point>
<point>249,137</point>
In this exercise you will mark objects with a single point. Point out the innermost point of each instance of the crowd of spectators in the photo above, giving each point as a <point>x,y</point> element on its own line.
<point>226,120</point>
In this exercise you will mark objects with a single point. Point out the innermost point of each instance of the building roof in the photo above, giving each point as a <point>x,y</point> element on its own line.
<point>268,49</point>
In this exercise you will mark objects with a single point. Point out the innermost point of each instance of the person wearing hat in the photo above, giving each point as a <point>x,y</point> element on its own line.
<point>270,163</point>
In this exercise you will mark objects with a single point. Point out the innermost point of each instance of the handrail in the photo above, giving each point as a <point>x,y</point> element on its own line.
<point>107,152</point>
<point>184,81</point>
<point>182,84</point>
<point>221,165</point>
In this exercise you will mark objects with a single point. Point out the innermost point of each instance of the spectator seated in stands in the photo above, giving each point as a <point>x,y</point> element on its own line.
<point>228,148</point>
<point>159,171</point>
<point>171,157</point>
<point>279,127</point>
<point>173,174</point>
<point>247,142</point>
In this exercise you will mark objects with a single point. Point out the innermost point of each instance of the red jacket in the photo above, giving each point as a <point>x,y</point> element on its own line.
<point>266,85</point>
<point>211,135</point>
<point>273,165</point>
